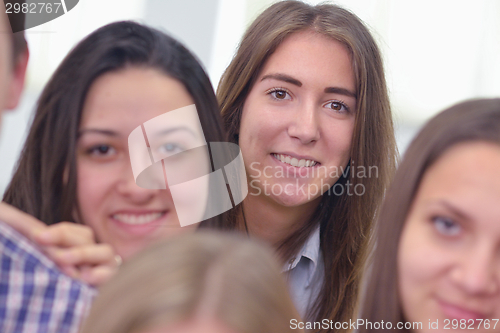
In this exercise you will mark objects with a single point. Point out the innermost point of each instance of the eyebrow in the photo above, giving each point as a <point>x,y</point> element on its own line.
<point>294,81</point>
<point>175,129</point>
<point>97,131</point>
<point>115,134</point>
<point>340,91</point>
<point>454,210</point>
<point>282,77</point>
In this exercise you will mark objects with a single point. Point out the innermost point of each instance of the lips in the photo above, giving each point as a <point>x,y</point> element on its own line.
<point>295,161</point>
<point>141,223</point>
<point>137,219</point>
<point>454,311</point>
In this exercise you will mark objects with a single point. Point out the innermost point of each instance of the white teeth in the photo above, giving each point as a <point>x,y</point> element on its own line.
<point>137,219</point>
<point>294,161</point>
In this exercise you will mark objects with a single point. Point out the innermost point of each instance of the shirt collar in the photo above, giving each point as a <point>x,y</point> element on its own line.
<point>308,255</point>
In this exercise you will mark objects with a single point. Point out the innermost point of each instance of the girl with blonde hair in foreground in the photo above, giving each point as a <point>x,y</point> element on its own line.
<point>203,282</point>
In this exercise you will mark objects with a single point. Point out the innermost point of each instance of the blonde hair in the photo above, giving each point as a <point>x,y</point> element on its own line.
<point>346,221</point>
<point>233,279</point>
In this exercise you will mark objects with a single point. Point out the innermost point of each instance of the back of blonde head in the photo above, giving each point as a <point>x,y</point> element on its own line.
<point>231,279</point>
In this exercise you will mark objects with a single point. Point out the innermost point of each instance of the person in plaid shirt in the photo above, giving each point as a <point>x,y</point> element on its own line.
<point>45,278</point>
<point>35,296</point>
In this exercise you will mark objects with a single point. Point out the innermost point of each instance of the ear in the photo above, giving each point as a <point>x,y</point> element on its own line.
<point>17,82</point>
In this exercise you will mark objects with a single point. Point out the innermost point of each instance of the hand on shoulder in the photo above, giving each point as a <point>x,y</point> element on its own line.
<point>71,246</point>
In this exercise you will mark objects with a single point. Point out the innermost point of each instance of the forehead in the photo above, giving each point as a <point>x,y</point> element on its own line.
<point>312,56</point>
<point>472,162</point>
<point>467,176</point>
<point>125,99</point>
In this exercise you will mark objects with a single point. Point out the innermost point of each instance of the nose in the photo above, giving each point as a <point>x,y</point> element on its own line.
<point>305,124</point>
<point>478,273</point>
<point>127,187</point>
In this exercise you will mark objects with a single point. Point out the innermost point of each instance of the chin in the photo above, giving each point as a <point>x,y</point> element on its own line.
<point>126,252</point>
<point>294,200</point>
<point>131,247</point>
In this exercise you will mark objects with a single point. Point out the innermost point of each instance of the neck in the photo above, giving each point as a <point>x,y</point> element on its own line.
<point>274,223</point>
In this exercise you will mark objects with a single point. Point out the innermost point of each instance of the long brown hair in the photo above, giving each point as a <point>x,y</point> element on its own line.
<point>468,121</point>
<point>345,220</point>
<point>37,186</point>
<point>236,279</point>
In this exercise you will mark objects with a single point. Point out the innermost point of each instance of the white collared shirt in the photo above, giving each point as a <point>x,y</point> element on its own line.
<point>306,273</point>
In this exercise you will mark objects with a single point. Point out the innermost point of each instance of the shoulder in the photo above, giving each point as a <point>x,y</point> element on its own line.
<point>16,246</point>
<point>35,295</point>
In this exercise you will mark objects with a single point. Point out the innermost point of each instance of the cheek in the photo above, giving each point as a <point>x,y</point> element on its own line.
<point>420,256</point>
<point>422,268</point>
<point>189,200</point>
<point>94,185</point>
<point>339,138</point>
<point>259,122</point>
<point>411,275</point>
<point>412,268</point>
<point>248,130</point>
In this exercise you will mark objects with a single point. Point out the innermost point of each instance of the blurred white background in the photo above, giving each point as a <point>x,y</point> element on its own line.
<point>436,52</point>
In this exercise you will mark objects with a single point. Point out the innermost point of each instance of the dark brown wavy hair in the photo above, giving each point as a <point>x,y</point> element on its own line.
<point>37,186</point>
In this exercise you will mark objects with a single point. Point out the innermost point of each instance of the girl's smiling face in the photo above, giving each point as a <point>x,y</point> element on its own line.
<point>298,120</point>
<point>121,213</point>
<point>449,251</point>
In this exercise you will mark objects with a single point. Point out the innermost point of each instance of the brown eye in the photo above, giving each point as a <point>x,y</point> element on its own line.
<point>101,150</point>
<point>338,107</point>
<point>280,94</point>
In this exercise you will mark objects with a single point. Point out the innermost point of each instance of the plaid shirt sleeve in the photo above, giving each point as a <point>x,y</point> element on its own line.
<point>35,296</point>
